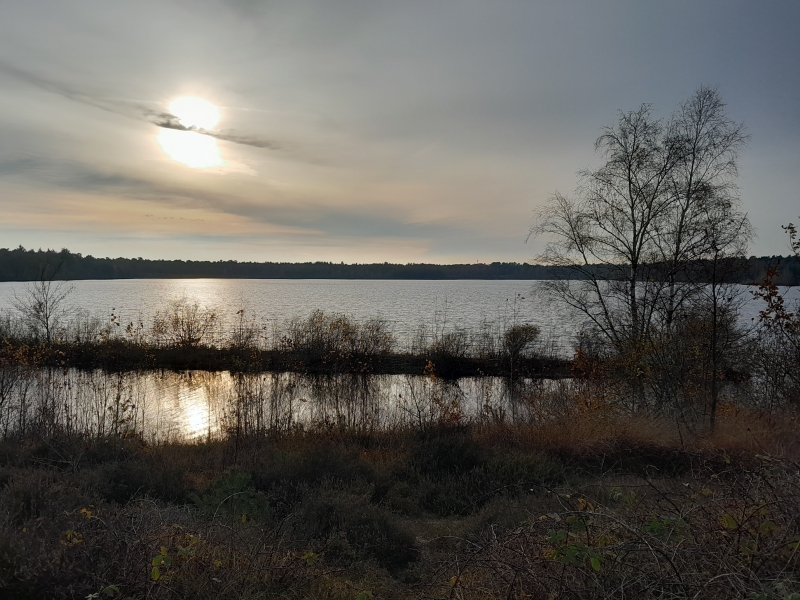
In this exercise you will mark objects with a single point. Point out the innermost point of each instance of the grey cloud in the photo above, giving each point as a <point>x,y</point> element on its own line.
<point>332,223</point>
<point>133,110</point>
<point>75,176</point>
<point>255,142</point>
<point>169,121</point>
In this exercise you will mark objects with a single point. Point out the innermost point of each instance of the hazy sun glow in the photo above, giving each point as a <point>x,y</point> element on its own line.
<point>190,148</point>
<point>195,112</point>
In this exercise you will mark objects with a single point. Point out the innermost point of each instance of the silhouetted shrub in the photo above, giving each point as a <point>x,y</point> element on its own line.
<point>184,324</point>
<point>517,339</point>
<point>335,337</point>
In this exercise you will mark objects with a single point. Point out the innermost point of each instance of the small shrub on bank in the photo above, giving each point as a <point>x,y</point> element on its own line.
<point>184,324</point>
<point>336,337</point>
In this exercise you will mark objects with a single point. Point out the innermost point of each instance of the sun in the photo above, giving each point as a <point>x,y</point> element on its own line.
<point>194,148</point>
<point>194,112</point>
<point>190,148</point>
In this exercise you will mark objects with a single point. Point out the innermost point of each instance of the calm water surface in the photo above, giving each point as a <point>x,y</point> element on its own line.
<point>404,304</point>
<point>196,405</point>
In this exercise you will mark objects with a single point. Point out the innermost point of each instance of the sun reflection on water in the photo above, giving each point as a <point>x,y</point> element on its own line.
<point>195,420</point>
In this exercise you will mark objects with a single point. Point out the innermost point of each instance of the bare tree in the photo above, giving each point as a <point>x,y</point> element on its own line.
<point>639,225</point>
<point>703,191</point>
<point>42,305</point>
<point>606,239</point>
<point>726,238</point>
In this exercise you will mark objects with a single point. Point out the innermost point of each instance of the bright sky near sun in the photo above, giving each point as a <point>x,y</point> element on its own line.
<point>360,131</point>
<point>193,149</point>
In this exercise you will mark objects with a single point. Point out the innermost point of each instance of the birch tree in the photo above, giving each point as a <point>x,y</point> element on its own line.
<point>630,239</point>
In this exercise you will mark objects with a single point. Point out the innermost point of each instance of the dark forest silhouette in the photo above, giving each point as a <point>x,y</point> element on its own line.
<point>20,264</point>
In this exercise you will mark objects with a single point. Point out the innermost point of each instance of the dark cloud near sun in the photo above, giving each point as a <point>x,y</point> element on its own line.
<point>230,136</point>
<point>170,121</point>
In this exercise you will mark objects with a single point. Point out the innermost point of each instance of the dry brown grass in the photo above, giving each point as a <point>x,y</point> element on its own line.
<point>509,511</point>
<point>738,432</point>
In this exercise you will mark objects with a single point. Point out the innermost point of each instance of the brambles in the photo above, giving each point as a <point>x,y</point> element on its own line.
<point>777,363</point>
<point>705,537</point>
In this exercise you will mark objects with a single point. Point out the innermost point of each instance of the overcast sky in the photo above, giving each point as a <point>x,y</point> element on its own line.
<point>363,131</point>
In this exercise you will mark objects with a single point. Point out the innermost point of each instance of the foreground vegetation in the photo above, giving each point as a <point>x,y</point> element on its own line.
<point>592,506</point>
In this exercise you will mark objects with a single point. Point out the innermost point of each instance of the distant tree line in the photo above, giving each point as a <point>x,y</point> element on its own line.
<point>20,264</point>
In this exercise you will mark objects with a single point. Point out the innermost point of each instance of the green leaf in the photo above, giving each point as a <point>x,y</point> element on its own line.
<point>556,536</point>
<point>155,574</point>
<point>767,527</point>
<point>728,522</point>
<point>595,563</point>
<point>158,560</point>
<point>111,591</point>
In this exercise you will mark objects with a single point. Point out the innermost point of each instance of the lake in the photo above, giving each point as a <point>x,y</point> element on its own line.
<point>197,405</point>
<point>404,304</point>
